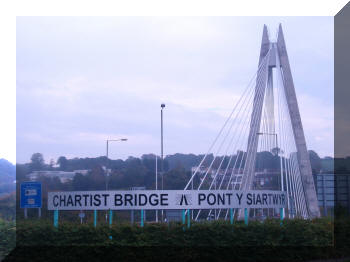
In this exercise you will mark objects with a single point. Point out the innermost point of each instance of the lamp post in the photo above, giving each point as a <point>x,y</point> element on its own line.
<point>192,190</point>
<point>271,134</point>
<point>107,170</point>
<point>156,184</point>
<point>161,149</point>
<point>277,149</point>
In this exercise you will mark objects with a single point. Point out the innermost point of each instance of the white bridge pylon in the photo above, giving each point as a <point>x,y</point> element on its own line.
<point>262,145</point>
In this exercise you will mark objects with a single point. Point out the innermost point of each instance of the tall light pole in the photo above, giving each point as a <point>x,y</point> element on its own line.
<point>107,170</point>
<point>192,190</point>
<point>156,185</point>
<point>277,149</point>
<point>161,149</point>
<point>271,134</point>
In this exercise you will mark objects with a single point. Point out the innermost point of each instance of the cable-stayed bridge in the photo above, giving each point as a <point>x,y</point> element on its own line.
<point>265,121</point>
<point>261,146</point>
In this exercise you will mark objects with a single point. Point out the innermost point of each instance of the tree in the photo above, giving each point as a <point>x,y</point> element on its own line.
<point>37,161</point>
<point>98,178</point>
<point>276,151</point>
<point>52,163</point>
<point>315,161</point>
<point>21,171</point>
<point>81,182</point>
<point>176,179</point>
<point>63,162</point>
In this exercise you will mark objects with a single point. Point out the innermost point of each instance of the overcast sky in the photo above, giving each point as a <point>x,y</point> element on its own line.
<point>81,80</point>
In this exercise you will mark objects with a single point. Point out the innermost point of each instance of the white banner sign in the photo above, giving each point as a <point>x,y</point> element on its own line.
<point>165,199</point>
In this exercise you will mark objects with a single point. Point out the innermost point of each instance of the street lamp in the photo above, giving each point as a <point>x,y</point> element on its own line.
<point>277,149</point>
<point>107,170</point>
<point>157,184</point>
<point>161,148</point>
<point>271,134</point>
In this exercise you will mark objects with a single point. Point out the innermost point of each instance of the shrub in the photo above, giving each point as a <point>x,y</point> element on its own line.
<point>294,240</point>
<point>7,237</point>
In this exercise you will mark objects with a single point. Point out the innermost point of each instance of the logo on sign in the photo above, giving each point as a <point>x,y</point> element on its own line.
<point>30,192</point>
<point>184,199</point>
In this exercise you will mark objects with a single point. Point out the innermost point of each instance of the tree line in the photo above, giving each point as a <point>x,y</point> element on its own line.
<point>134,172</point>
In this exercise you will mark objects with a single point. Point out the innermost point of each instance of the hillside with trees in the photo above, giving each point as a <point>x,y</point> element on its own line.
<point>7,177</point>
<point>134,172</point>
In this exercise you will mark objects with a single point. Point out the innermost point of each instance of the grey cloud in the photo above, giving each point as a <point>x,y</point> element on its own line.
<point>86,78</point>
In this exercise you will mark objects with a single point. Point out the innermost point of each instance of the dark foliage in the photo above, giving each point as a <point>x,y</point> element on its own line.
<point>294,240</point>
<point>7,237</point>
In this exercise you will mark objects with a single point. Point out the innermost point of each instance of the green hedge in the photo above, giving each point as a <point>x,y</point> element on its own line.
<point>294,240</point>
<point>7,237</point>
<point>295,232</point>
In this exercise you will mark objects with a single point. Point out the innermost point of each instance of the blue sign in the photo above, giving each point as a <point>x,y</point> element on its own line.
<point>30,194</point>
